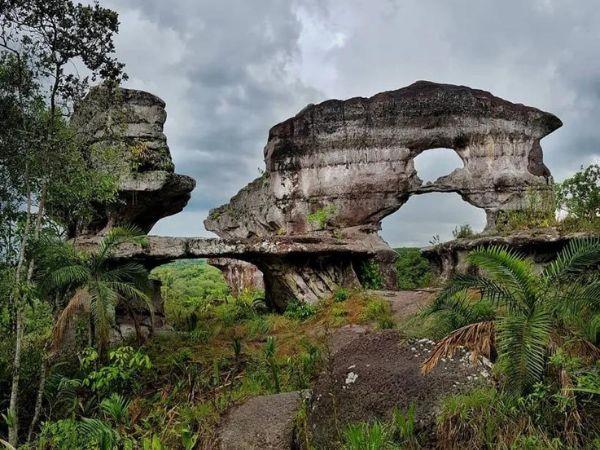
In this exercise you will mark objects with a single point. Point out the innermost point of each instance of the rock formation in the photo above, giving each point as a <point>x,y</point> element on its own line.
<point>539,246</point>
<point>239,275</point>
<point>123,132</point>
<point>339,167</point>
<point>333,172</point>
<point>350,163</point>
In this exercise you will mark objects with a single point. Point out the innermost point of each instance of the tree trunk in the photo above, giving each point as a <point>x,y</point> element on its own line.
<point>13,406</point>
<point>39,398</point>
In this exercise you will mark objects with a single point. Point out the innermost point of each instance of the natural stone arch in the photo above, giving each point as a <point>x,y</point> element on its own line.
<point>346,164</point>
<point>350,163</point>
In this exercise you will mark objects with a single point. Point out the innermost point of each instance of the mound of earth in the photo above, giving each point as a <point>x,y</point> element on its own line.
<point>376,372</point>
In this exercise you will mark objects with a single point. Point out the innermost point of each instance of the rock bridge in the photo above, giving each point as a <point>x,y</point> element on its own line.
<point>333,172</point>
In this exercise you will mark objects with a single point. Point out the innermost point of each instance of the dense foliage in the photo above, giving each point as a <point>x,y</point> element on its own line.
<point>412,269</point>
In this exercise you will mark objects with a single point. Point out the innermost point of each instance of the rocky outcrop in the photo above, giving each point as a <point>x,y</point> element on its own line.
<point>122,130</point>
<point>539,246</point>
<point>339,167</point>
<point>239,275</point>
<point>266,422</point>
<point>350,163</point>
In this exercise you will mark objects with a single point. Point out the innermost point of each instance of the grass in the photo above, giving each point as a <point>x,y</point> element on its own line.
<point>241,353</point>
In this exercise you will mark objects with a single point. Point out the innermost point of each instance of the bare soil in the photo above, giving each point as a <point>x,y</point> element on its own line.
<point>376,372</point>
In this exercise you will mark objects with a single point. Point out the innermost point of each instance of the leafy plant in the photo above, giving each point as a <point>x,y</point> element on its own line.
<point>95,282</point>
<point>369,274</point>
<point>412,269</point>
<point>320,218</point>
<point>579,195</point>
<point>463,231</point>
<point>115,408</point>
<point>529,307</point>
<point>341,295</point>
<point>365,436</point>
<point>270,357</point>
<point>298,310</point>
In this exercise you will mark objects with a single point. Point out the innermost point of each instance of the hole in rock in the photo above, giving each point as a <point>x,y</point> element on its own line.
<point>434,214</point>
<point>436,162</point>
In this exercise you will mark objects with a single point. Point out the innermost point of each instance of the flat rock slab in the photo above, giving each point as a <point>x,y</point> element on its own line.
<point>264,422</point>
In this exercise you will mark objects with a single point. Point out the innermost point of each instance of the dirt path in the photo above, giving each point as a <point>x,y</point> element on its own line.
<point>407,303</point>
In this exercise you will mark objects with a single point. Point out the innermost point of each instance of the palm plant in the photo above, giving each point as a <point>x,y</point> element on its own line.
<point>94,284</point>
<point>534,313</point>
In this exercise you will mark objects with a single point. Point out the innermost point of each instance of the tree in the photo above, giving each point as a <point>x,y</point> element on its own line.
<point>40,41</point>
<point>534,313</point>
<point>94,284</point>
<point>579,195</point>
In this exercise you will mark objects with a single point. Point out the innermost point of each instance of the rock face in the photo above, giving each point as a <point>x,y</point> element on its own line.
<point>351,162</point>
<point>239,275</point>
<point>539,246</point>
<point>266,422</point>
<point>123,132</point>
<point>339,167</point>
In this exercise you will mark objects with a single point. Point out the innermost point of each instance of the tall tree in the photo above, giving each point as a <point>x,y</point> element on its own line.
<point>40,42</point>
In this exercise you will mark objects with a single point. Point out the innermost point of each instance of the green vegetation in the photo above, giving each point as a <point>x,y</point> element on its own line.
<point>188,287</point>
<point>399,433</point>
<point>463,231</point>
<point>369,274</point>
<point>579,197</point>
<point>413,271</point>
<point>321,217</point>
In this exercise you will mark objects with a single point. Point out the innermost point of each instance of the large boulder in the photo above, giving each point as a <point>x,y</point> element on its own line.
<point>122,130</point>
<point>266,422</point>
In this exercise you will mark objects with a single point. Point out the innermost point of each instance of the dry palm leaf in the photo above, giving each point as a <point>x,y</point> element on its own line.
<point>478,337</point>
<point>79,303</point>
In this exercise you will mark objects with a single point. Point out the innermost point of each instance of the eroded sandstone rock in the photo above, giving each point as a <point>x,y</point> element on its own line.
<point>339,167</point>
<point>240,275</point>
<point>352,161</point>
<point>123,132</point>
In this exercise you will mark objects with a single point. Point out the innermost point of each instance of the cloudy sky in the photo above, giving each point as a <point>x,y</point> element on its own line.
<point>230,69</point>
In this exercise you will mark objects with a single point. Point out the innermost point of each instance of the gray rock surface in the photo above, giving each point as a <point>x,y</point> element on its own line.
<point>240,275</point>
<point>338,168</point>
<point>122,130</point>
<point>539,246</point>
<point>266,422</point>
<point>354,159</point>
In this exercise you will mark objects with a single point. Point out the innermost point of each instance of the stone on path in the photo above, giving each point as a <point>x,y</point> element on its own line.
<point>266,422</point>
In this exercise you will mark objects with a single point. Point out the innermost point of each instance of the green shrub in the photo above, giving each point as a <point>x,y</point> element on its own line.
<point>379,311</point>
<point>412,269</point>
<point>367,436</point>
<point>463,231</point>
<point>321,217</point>
<point>341,295</point>
<point>369,275</point>
<point>296,309</point>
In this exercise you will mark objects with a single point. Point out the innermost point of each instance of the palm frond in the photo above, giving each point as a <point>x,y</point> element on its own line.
<point>103,302</point>
<point>66,276</point>
<point>79,303</point>
<point>577,256</point>
<point>478,337</point>
<point>130,271</point>
<point>489,289</point>
<point>99,432</point>
<point>523,342</point>
<point>509,269</point>
<point>120,235</point>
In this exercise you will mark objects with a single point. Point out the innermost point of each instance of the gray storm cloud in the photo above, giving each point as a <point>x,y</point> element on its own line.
<point>229,70</point>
